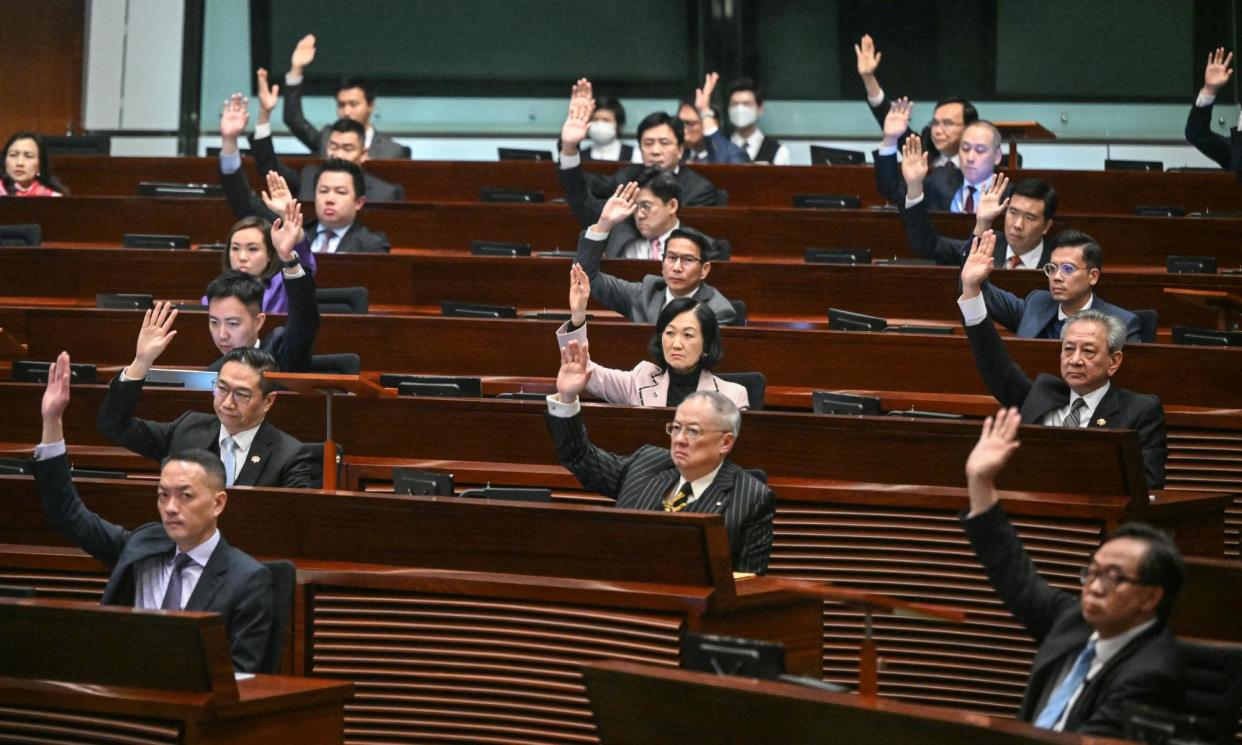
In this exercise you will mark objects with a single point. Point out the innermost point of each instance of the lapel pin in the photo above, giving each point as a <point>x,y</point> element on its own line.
<point>1100,422</point>
<point>719,503</point>
<point>254,459</point>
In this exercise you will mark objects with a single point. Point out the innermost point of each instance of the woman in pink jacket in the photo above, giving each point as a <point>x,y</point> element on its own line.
<point>685,347</point>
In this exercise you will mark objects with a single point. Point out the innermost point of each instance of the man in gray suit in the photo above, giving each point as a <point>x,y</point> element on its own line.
<point>687,260</point>
<point>694,474</point>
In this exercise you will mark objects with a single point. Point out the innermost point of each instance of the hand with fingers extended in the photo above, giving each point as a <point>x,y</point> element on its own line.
<point>303,55</point>
<point>581,106</point>
<point>287,230</point>
<point>992,203</point>
<point>618,208</point>
<point>868,57</point>
<point>703,96</point>
<point>277,195</point>
<point>1217,72</point>
<point>897,121</point>
<point>978,265</point>
<point>234,116</point>
<point>153,338</point>
<point>269,95</point>
<point>997,443</point>
<point>579,293</point>
<point>575,371</point>
<point>55,399</point>
<point>913,166</point>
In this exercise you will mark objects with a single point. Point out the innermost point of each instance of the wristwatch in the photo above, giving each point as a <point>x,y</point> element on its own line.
<point>292,263</point>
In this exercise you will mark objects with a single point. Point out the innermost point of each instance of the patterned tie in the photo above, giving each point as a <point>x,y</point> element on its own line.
<point>680,499</point>
<point>172,596</point>
<point>1071,419</point>
<point>655,250</point>
<point>1015,262</point>
<point>968,205</point>
<point>229,456</point>
<point>1055,707</point>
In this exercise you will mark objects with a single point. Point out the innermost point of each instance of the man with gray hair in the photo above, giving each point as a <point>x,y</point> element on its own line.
<point>694,474</point>
<point>1091,343</point>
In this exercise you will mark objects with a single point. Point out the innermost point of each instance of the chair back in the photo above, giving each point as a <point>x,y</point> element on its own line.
<point>739,310</point>
<point>754,383</point>
<point>284,579</point>
<point>342,299</point>
<point>1213,677</point>
<point>345,363</point>
<point>1149,320</point>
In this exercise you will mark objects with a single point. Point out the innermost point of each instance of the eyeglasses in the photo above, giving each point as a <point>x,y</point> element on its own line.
<point>685,260</point>
<point>241,395</point>
<point>645,206</point>
<point>1109,578</point>
<point>1067,269</point>
<point>945,123</point>
<point>691,431</point>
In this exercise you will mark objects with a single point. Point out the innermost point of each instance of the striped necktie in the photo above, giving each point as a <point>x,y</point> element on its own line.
<point>680,499</point>
<point>1072,418</point>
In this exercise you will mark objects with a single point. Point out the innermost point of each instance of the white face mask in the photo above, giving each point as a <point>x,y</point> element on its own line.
<point>602,133</point>
<point>743,116</point>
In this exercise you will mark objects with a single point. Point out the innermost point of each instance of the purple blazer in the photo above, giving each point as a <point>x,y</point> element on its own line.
<point>275,299</point>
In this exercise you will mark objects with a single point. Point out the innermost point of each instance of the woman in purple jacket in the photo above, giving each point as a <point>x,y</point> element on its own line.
<point>250,250</point>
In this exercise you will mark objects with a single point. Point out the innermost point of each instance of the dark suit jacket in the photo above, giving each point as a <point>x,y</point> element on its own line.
<point>928,243</point>
<point>1119,409</point>
<point>303,184</point>
<point>640,302</point>
<point>382,147</point>
<point>275,458</point>
<point>586,193</point>
<point>1199,133</point>
<point>291,344</point>
<point>1029,317</point>
<point>939,187</point>
<point>717,148</point>
<point>1146,671</point>
<point>641,481</point>
<point>232,584</point>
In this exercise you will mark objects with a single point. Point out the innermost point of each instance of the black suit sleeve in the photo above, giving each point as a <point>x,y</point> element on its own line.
<point>1154,442</point>
<point>1004,379</point>
<point>243,201</point>
<point>888,180</point>
<point>66,513</point>
<point>265,160</point>
<point>295,120</point>
<point>926,241</point>
<point>757,534</point>
<point>580,195</point>
<point>250,621</point>
<point>596,469</point>
<point>117,422</point>
<point>300,472</point>
<point>294,354</point>
<point>1199,133</point>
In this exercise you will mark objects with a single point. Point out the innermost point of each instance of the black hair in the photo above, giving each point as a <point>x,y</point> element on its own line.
<point>707,249</point>
<point>657,118</point>
<point>662,183</point>
<point>256,359</point>
<point>344,166</point>
<point>345,125</point>
<point>613,104</point>
<point>1037,188</point>
<point>1162,563</point>
<point>745,84</point>
<point>368,88</point>
<point>46,175</point>
<point>969,113</point>
<point>209,461</point>
<point>713,348</point>
<point>1092,254</point>
<point>263,226</point>
<point>245,287</point>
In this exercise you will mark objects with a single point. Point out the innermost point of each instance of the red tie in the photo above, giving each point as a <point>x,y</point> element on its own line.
<point>655,249</point>
<point>1015,262</point>
<point>969,204</point>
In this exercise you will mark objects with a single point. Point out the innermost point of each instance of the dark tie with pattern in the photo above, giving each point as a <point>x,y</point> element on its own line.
<point>680,499</point>
<point>968,204</point>
<point>1072,419</point>
<point>172,596</point>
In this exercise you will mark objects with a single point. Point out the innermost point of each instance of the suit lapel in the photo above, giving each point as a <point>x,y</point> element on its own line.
<point>651,495</point>
<point>211,580</point>
<point>653,389</point>
<point>719,493</point>
<point>123,587</point>
<point>1108,410</point>
<point>256,459</point>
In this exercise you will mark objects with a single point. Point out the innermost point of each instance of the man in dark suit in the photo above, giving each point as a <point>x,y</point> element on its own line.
<point>694,474</point>
<point>1073,272</point>
<point>1091,344</point>
<point>686,262</point>
<point>661,138</point>
<point>1199,132</point>
<point>255,451</point>
<point>1029,208</point>
<point>340,192</point>
<point>1102,652</point>
<point>705,142</point>
<point>179,563</point>
<point>355,99</point>
<point>645,233</point>
<point>234,318</point>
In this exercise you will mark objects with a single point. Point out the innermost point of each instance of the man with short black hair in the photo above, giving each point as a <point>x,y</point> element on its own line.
<point>705,142</point>
<point>180,563</point>
<point>955,189</point>
<point>686,262</point>
<point>1101,653</point>
<point>745,99</point>
<point>355,99</point>
<point>255,452</point>
<point>1223,150</point>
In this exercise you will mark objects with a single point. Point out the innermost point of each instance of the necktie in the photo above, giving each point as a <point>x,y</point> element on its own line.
<point>229,456</point>
<point>1015,262</point>
<point>655,250</point>
<point>325,244</point>
<point>1055,707</point>
<point>680,499</point>
<point>172,596</point>
<point>969,204</point>
<point>1071,419</point>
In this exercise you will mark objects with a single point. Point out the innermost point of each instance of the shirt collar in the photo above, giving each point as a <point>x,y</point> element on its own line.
<point>244,439</point>
<point>203,551</point>
<point>1105,649</point>
<point>755,139</point>
<point>1093,398</point>
<point>699,485</point>
<point>1062,315</point>
<point>1030,259</point>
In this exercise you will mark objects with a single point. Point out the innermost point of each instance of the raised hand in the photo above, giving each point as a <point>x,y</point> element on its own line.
<point>897,121</point>
<point>868,57</point>
<point>277,195</point>
<point>579,293</point>
<point>1218,71</point>
<point>303,55</point>
<point>581,106</point>
<point>287,230</point>
<point>153,338</point>
<point>703,96</point>
<point>233,117</point>
<point>997,443</point>
<point>618,208</point>
<point>268,96</point>
<point>574,373</point>
<point>978,265</point>
<point>55,399</point>
<point>991,206</point>
<point>913,165</point>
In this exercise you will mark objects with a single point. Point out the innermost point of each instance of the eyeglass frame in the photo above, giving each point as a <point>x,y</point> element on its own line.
<point>673,429</point>
<point>1051,269</point>
<point>685,260</point>
<point>1110,578</point>
<point>241,396</point>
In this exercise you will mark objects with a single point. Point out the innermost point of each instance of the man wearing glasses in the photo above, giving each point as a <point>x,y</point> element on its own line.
<point>1073,271</point>
<point>686,261</point>
<point>1083,396</point>
<point>252,450</point>
<point>694,474</point>
<point>1101,652</point>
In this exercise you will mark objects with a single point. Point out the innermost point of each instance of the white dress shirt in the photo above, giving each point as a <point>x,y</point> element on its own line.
<point>244,440</point>
<point>752,143</point>
<point>1105,650</point>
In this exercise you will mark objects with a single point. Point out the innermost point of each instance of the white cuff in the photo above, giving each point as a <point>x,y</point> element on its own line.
<point>570,161</point>
<point>49,450</point>
<point>887,150</point>
<point>974,310</point>
<point>262,131</point>
<point>294,272</point>
<point>911,201</point>
<point>562,410</point>
<point>877,100</point>
<point>715,127</point>
<point>1204,100</point>
<point>291,79</point>
<point>230,162</point>
<point>593,235</point>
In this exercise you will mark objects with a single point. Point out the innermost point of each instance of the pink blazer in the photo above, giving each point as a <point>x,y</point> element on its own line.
<point>646,384</point>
